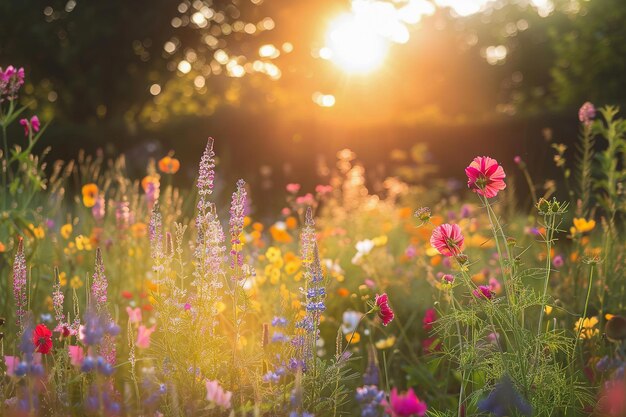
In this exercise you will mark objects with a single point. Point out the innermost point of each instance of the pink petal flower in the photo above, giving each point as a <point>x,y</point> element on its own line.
<point>405,405</point>
<point>35,124</point>
<point>483,292</point>
<point>143,336</point>
<point>11,363</point>
<point>134,314</point>
<point>77,354</point>
<point>447,239</point>
<point>25,125</point>
<point>485,176</point>
<point>293,188</point>
<point>384,311</point>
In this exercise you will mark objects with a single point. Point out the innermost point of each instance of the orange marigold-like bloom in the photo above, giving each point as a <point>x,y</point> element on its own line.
<point>90,193</point>
<point>169,165</point>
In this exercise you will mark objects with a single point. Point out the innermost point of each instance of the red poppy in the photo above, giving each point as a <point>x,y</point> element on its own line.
<point>127,294</point>
<point>384,311</point>
<point>42,339</point>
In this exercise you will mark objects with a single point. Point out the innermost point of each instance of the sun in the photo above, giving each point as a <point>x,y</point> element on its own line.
<point>354,45</point>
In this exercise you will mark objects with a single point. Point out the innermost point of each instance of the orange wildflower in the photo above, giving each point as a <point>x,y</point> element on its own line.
<point>169,165</point>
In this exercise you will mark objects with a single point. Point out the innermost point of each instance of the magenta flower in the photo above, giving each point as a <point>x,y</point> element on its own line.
<point>586,113</point>
<point>33,125</point>
<point>447,239</point>
<point>483,292</point>
<point>485,176</point>
<point>384,311</point>
<point>430,316</point>
<point>11,80</point>
<point>405,405</point>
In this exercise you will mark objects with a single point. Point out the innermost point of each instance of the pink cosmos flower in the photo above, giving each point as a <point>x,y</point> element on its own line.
<point>447,239</point>
<point>293,188</point>
<point>134,314</point>
<point>384,311</point>
<point>143,336</point>
<point>485,176</point>
<point>77,354</point>
<point>483,292</point>
<point>217,395</point>
<point>405,405</point>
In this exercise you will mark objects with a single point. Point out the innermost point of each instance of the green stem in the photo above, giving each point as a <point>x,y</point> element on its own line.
<point>582,319</point>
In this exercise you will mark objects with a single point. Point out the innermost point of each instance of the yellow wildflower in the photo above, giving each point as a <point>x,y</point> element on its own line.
<point>548,310</point>
<point>380,240</point>
<point>386,343</point>
<point>273,254</point>
<point>353,338</point>
<point>586,327</point>
<point>63,279</point>
<point>292,267</point>
<point>66,230</point>
<point>582,225</point>
<point>38,231</point>
<point>76,282</point>
<point>83,243</point>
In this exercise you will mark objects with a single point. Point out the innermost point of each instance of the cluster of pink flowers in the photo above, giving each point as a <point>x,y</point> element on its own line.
<point>11,79</point>
<point>586,113</point>
<point>217,395</point>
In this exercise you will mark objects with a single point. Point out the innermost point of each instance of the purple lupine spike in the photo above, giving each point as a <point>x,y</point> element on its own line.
<point>19,284</point>
<point>237,215</point>
<point>206,174</point>
<point>99,284</point>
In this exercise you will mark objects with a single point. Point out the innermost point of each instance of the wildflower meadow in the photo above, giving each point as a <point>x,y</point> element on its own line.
<point>120,299</point>
<point>365,208</point>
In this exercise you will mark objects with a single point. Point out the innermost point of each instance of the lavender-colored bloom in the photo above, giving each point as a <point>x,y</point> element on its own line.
<point>279,337</point>
<point>98,209</point>
<point>558,261</point>
<point>279,321</point>
<point>271,377</point>
<point>237,215</point>
<point>99,283</point>
<point>586,113</point>
<point>369,398</point>
<point>505,400</point>
<point>372,373</point>
<point>19,285</point>
<point>314,292</point>
<point>206,177</point>
<point>123,215</point>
